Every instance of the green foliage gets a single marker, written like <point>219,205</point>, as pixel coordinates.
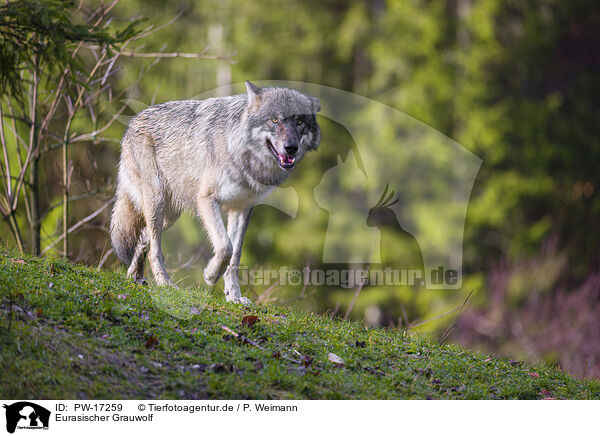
<point>38,35</point>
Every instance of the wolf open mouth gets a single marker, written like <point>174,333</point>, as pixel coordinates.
<point>285,161</point>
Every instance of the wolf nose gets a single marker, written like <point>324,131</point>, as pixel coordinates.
<point>291,149</point>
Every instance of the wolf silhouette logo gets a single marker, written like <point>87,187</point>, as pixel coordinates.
<point>28,415</point>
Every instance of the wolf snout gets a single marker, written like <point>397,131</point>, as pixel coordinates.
<point>291,149</point>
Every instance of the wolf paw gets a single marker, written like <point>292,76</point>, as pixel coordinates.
<point>209,278</point>
<point>213,271</point>
<point>140,281</point>
<point>241,300</point>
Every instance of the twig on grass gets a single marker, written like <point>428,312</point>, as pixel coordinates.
<point>246,339</point>
<point>256,344</point>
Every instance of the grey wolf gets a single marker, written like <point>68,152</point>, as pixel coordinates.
<point>215,156</point>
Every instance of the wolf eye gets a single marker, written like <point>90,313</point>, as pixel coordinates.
<point>275,119</point>
<point>299,122</point>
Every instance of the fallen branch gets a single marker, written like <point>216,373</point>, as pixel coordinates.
<point>250,341</point>
<point>257,345</point>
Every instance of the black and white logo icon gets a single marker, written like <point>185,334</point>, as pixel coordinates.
<point>26,415</point>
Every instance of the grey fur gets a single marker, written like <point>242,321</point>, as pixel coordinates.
<point>211,156</point>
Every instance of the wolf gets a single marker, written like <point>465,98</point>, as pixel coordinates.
<point>215,156</point>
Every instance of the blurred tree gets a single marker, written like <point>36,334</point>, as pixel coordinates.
<point>40,46</point>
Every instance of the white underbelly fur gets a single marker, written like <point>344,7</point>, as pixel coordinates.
<point>235,196</point>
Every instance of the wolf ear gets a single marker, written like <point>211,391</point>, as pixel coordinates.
<point>315,103</point>
<point>254,94</point>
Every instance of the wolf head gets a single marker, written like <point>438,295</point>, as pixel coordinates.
<point>282,124</point>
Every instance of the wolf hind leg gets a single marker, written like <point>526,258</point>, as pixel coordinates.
<point>136,269</point>
<point>126,225</point>
<point>154,210</point>
<point>154,219</point>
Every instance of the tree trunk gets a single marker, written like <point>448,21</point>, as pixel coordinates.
<point>34,205</point>
<point>14,228</point>
<point>34,195</point>
<point>66,189</point>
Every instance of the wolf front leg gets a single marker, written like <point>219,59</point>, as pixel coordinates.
<point>210,213</point>
<point>237,223</point>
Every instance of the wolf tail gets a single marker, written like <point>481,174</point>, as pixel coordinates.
<point>125,227</point>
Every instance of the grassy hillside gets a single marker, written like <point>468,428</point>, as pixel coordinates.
<point>68,331</point>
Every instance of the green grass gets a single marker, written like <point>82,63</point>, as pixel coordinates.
<point>68,331</point>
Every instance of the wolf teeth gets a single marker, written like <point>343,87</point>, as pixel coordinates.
<point>286,160</point>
